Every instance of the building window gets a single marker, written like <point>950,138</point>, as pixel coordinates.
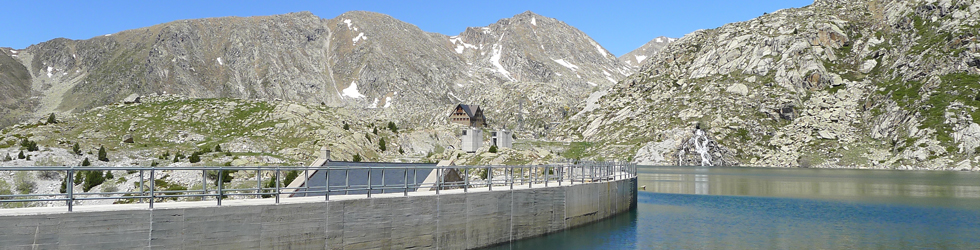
<point>464,132</point>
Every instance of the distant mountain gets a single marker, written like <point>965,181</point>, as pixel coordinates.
<point>358,60</point>
<point>638,56</point>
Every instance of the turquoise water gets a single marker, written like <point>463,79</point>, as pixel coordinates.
<point>756,208</point>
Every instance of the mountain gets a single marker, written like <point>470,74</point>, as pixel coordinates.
<point>358,60</point>
<point>638,56</point>
<point>15,88</point>
<point>868,84</point>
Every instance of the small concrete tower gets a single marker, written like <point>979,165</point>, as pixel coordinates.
<point>472,139</point>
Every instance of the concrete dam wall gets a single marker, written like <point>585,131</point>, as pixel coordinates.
<point>450,220</point>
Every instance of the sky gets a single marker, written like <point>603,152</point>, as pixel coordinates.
<point>619,26</point>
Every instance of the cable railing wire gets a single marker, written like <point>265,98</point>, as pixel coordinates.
<point>380,179</point>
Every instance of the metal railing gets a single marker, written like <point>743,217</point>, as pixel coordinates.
<point>150,187</point>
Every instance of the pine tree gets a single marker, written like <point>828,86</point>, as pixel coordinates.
<point>78,177</point>
<point>51,119</point>
<point>7,157</point>
<point>217,148</point>
<point>64,185</point>
<point>102,154</point>
<point>381,144</point>
<point>375,131</point>
<point>346,126</point>
<point>392,127</point>
<point>108,174</point>
<point>400,151</point>
<point>194,158</point>
<point>76,149</point>
<point>357,158</point>
<point>21,155</point>
<point>86,163</point>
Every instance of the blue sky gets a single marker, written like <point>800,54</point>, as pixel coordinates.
<point>619,26</point>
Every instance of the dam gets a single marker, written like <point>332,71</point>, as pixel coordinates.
<point>436,212</point>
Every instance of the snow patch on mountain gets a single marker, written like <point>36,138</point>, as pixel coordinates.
<point>568,65</point>
<point>495,60</point>
<point>359,37</point>
<point>351,91</point>
<point>640,58</point>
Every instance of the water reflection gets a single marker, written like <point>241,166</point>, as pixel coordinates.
<point>812,183</point>
<point>756,208</point>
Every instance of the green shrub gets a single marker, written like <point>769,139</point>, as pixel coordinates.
<point>78,177</point>
<point>225,175</point>
<point>92,178</point>
<point>357,158</point>
<point>178,156</point>
<point>7,157</point>
<point>375,131</point>
<point>24,183</point>
<point>86,163</point>
<point>21,155</point>
<point>29,145</point>
<point>217,148</point>
<point>381,144</point>
<point>400,151</point>
<point>51,119</point>
<point>290,176</point>
<point>493,149</point>
<point>195,157</point>
<point>346,126</point>
<point>64,185</point>
<point>102,154</point>
<point>108,175</point>
<point>76,149</point>
<point>392,127</point>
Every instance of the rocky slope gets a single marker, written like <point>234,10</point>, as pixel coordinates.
<point>869,84</point>
<point>15,89</point>
<point>638,56</point>
<point>358,60</point>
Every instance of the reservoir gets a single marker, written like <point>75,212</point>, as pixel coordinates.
<point>778,208</point>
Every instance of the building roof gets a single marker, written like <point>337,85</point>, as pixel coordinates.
<point>470,109</point>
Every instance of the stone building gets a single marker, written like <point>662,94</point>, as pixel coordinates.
<point>469,115</point>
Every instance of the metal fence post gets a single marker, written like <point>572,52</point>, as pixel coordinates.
<point>204,184</point>
<point>466,179</point>
<point>369,182</point>
<point>152,170</point>
<point>512,179</point>
<point>221,183</point>
<point>278,184</point>
<point>406,181</point>
<point>438,176</point>
<point>71,186</point>
<point>142,192</point>
<point>490,178</point>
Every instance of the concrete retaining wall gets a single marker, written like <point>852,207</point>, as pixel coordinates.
<point>446,221</point>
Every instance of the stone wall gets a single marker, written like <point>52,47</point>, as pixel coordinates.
<point>451,220</point>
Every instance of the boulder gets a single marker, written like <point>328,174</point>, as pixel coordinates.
<point>738,88</point>
<point>128,138</point>
<point>868,66</point>
<point>134,98</point>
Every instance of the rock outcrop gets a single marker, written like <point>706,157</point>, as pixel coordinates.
<point>860,84</point>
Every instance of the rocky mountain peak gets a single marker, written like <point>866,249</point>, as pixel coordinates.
<point>638,56</point>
